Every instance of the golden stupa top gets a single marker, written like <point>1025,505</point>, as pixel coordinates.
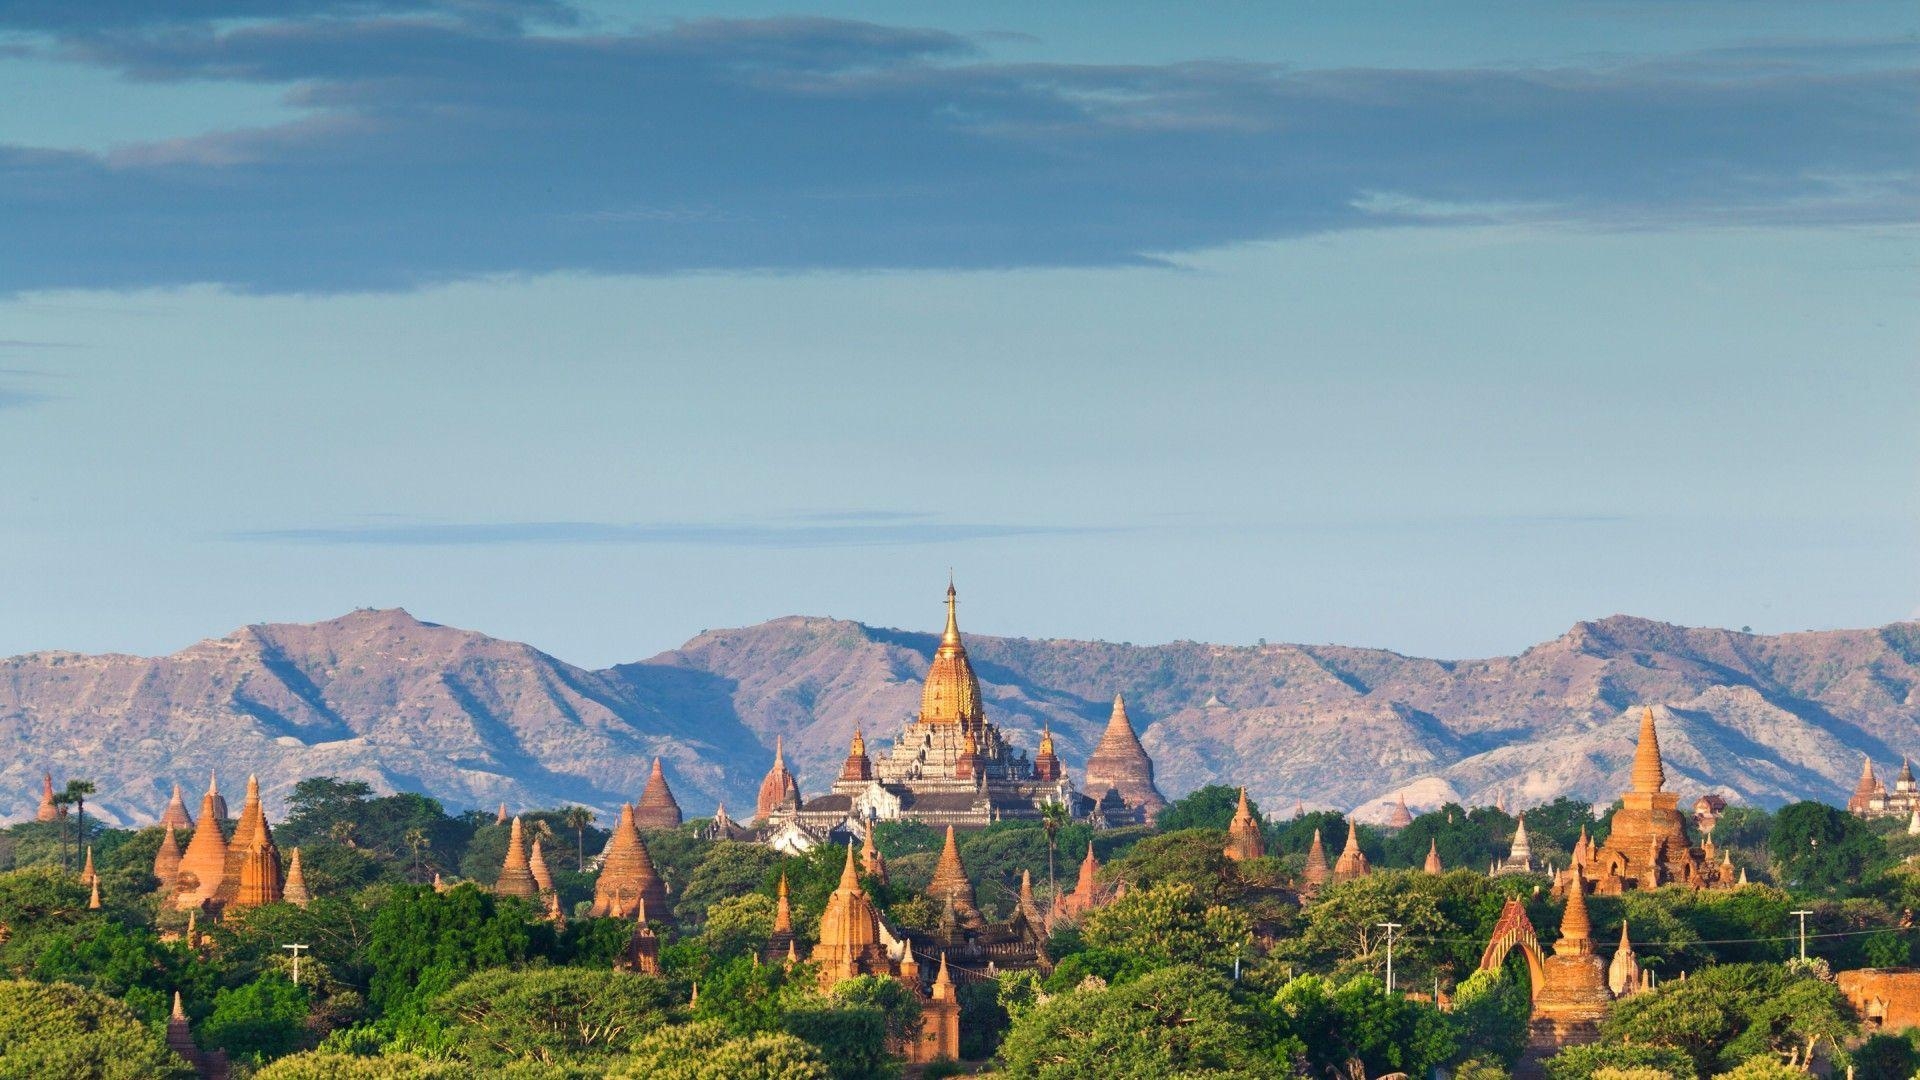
<point>849,921</point>
<point>952,693</point>
<point>1648,775</point>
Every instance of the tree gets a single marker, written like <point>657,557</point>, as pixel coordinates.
<point>850,1038</point>
<point>1589,1062</point>
<point>423,942</point>
<point>1359,1021</point>
<point>1210,807</point>
<point>578,818</point>
<point>553,1015</point>
<point>1192,856</point>
<point>1491,1012</point>
<point>1053,817</point>
<point>1179,1021</point>
<point>1820,847</point>
<point>258,1021</point>
<point>62,1030</point>
<point>1168,924</point>
<point>1763,1067</point>
<point>417,842</point>
<point>333,1065</point>
<point>75,796</point>
<point>1723,1014</point>
<point>707,1051</point>
<point>738,926</point>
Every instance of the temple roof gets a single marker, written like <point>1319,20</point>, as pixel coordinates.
<point>952,691</point>
<point>950,879</point>
<point>779,788</point>
<point>1121,763</point>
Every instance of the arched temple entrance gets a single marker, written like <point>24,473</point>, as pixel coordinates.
<point>1515,931</point>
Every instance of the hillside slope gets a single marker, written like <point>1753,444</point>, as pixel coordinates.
<point>474,720</point>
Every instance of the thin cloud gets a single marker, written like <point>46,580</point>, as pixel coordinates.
<point>746,535</point>
<point>436,146</point>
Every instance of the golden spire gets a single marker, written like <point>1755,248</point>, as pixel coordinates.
<point>1433,857</point>
<point>1648,775</point>
<point>952,691</point>
<point>1046,738</point>
<point>93,902</point>
<point>859,747</point>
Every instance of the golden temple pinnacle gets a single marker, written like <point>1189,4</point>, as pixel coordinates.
<point>952,693</point>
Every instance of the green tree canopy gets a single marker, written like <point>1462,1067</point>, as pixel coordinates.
<point>1821,848</point>
<point>558,1015</point>
<point>62,1030</point>
<point>705,1050</point>
<point>1176,1022</point>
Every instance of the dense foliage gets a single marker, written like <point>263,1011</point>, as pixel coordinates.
<point>1202,966</point>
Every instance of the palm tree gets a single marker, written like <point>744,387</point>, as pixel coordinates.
<point>76,796</point>
<point>341,832</point>
<point>1053,817</point>
<point>578,818</point>
<point>417,841</point>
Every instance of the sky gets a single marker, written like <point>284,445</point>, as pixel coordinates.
<point>1430,327</point>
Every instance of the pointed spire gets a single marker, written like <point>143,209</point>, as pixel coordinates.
<point>1244,838</point>
<point>627,873</point>
<point>1522,851</point>
<point>213,793</point>
<point>93,902</point>
<point>1648,774</point>
<point>871,864</point>
<point>1316,872</point>
<point>1352,862</point>
<point>537,866</point>
<point>1433,857</point>
<point>1576,929</point>
<point>203,866</point>
<point>1623,975</point>
<point>1402,817</point>
<point>779,789</point>
<point>942,982</point>
<point>49,810</point>
<point>783,908</point>
<point>295,891</point>
<point>849,878</point>
<point>516,879</point>
<point>87,873</point>
<point>951,694</point>
<point>180,1036</point>
<point>658,808</point>
<point>1121,763</point>
<point>179,1013</point>
<point>950,880</point>
<point>166,860</point>
<point>500,816</point>
<point>176,812</point>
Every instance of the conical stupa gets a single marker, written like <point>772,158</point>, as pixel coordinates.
<point>176,812</point>
<point>1121,763</point>
<point>657,809</point>
<point>515,877</point>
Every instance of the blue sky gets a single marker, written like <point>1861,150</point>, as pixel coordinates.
<point>600,325</point>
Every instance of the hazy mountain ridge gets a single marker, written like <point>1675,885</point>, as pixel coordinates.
<point>474,720</point>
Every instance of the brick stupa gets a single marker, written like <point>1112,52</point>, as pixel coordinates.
<point>166,860</point>
<point>1648,846</point>
<point>1244,840</point>
<point>1352,862</point>
<point>1317,871</point>
<point>657,809</point>
<point>627,875</point>
<point>516,878</point>
<point>296,892</point>
<point>951,887</point>
<point>1121,764</point>
<point>176,814</point>
<point>1573,996</point>
<point>49,810</point>
<point>252,876</point>
<point>204,864</point>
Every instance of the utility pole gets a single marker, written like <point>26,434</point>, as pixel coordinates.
<point>295,950</point>
<point>1389,927</point>
<point>1803,913</point>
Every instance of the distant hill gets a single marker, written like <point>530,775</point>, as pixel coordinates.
<point>473,720</point>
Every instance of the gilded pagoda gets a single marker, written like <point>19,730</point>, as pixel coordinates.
<point>950,765</point>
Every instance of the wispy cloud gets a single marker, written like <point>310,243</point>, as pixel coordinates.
<point>697,534</point>
<point>448,139</point>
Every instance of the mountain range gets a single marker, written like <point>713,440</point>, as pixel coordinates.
<point>473,720</point>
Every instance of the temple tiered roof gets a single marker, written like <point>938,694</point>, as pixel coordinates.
<point>952,691</point>
<point>176,812</point>
<point>779,791</point>
<point>1352,862</point>
<point>950,884</point>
